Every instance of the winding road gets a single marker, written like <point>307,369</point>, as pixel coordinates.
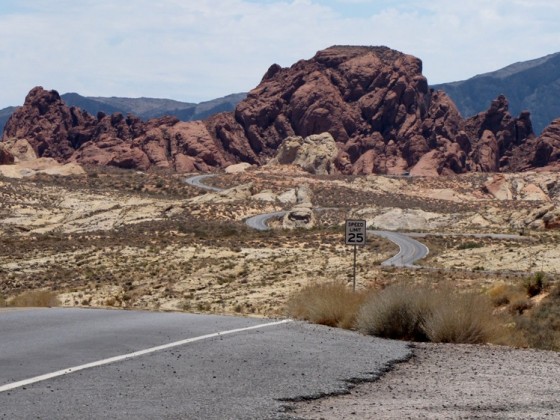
<point>196,181</point>
<point>410,250</point>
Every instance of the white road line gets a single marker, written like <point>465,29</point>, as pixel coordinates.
<point>114,359</point>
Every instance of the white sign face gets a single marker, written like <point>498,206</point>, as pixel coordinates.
<point>355,232</point>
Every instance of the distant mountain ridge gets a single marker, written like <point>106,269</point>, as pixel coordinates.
<point>147,108</point>
<point>144,108</point>
<point>532,85</point>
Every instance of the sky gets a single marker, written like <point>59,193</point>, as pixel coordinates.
<point>200,50</point>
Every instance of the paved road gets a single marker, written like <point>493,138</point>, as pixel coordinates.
<point>260,221</point>
<point>240,373</point>
<point>410,250</point>
<point>197,181</point>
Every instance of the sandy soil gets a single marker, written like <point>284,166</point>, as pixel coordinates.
<point>445,381</point>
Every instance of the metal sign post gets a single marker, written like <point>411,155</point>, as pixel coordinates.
<point>355,234</point>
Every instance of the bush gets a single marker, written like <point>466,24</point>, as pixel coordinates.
<point>459,318</point>
<point>331,304</point>
<point>396,312</point>
<point>535,285</point>
<point>542,326</point>
<point>422,314</point>
<point>34,298</point>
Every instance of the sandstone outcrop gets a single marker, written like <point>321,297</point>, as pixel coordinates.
<point>315,154</point>
<point>373,101</point>
<point>6,158</point>
<point>301,215</point>
<point>20,149</point>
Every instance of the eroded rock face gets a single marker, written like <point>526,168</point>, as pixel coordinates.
<point>69,134</point>
<point>301,215</point>
<point>6,158</point>
<point>315,154</point>
<point>373,101</point>
<point>53,129</point>
<point>547,147</point>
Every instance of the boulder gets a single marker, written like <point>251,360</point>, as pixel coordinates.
<point>315,154</point>
<point>299,216</point>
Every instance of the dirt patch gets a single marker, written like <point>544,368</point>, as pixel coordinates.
<point>453,381</point>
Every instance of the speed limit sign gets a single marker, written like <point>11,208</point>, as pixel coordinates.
<point>355,232</point>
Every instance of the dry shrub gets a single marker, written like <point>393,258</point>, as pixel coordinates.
<point>396,312</point>
<point>535,284</point>
<point>422,314</point>
<point>500,294</point>
<point>332,304</point>
<point>460,318</point>
<point>541,326</point>
<point>35,298</point>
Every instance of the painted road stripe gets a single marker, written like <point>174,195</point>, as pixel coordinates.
<point>114,359</point>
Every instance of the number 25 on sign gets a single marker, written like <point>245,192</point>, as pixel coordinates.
<point>355,234</point>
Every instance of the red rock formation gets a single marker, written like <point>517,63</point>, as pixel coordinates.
<point>374,101</point>
<point>547,147</point>
<point>6,158</point>
<point>52,128</point>
<point>496,136</point>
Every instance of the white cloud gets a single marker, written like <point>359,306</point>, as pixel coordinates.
<point>209,48</point>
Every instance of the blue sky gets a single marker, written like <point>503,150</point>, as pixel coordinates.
<point>194,51</point>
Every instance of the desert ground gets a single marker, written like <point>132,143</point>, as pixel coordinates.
<point>106,237</point>
<point>127,239</point>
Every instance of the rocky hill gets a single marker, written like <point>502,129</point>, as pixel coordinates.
<point>374,101</point>
<point>530,85</point>
<point>145,108</point>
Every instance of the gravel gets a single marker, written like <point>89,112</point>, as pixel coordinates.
<point>453,381</point>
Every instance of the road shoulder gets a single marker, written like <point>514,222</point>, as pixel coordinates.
<point>453,381</point>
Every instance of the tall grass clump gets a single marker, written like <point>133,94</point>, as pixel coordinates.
<point>395,312</point>
<point>35,298</point>
<point>460,318</point>
<point>535,285</point>
<point>419,313</point>
<point>332,304</point>
<point>542,326</point>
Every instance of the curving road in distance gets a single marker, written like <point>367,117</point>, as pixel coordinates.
<point>196,181</point>
<point>410,250</point>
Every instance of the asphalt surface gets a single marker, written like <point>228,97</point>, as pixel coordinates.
<point>197,181</point>
<point>244,374</point>
<point>410,250</point>
<point>260,221</point>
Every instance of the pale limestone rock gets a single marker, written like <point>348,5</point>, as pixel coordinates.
<point>300,216</point>
<point>240,192</point>
<point>288,197</point>
<point>237,168</point>
<point>48,166</point>
<point>266,195</point>
<point>498,187</point>
<point>20,149</point>
<point>315,154</point>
